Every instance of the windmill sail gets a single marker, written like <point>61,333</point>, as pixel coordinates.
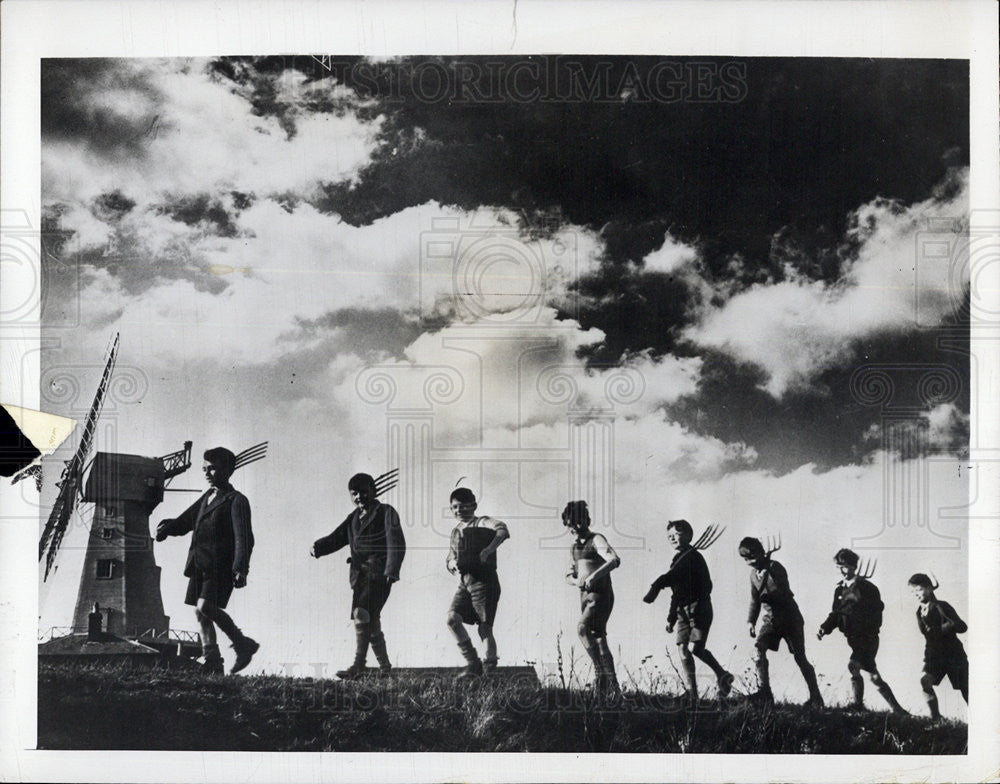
<point>72,475</point>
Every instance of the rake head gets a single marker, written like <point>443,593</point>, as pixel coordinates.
<point>251,454</point>
<point>866,568</point>
<point>386,482</point>
<point>772,544</point>
<point>708,537</point>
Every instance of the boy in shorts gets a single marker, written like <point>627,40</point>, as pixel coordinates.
<point>375,537</point>
<point>472,555</point>
<point>590,571</point>
<point>218,559</point>
<point>690,606</point>
<point>944,653</point>
<point>857,612</point>
<point>782,620</point>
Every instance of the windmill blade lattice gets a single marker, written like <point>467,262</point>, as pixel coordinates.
<point>72,475</point>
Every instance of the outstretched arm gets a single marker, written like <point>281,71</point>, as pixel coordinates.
<point>180,525</point>
<point>332,542</point>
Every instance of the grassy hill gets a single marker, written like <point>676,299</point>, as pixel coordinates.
<point>96,707</point>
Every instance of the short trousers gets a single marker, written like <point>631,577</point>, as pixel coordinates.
<point>213,588</point>
<point>957,670</point>
<point>370,590</point>
<point>863,650</point>
<point>476,600</point>
<point>595,609</point>
<point>786,626</point>
<point>693,621</point>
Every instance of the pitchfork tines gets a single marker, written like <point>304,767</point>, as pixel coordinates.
<point>866,568</point>
<point>386,482</point>
<point>772,544</point>
<point>708,537</point>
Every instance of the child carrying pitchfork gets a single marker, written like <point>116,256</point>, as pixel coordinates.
<point>857,612</point>
<point>691,602</point>
<point>944,653</point>
<point>782,620</point>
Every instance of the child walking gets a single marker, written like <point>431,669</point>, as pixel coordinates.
<point>690,606</point>
<point>944,653</point>
<point>593,559</point>
<point>375,537</point>
<point>857,612</point>
<point>472,554</point>
<point>782,620</point>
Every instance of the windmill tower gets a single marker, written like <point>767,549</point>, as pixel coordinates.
<point>120,574</point>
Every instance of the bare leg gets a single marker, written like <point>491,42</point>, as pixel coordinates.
<point>208,638</point>
<point>705,655</point>
<point>930,696</point>
<point>763,671</point>
<point>809,674</point>
<point>857,684</point>
<point>687,665</point>
<point>886,692</point>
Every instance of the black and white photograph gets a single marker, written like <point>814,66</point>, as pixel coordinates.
<point>524,397</point>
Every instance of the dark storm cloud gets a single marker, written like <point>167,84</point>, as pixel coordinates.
<point>758,164</point>
<point>800,145</point>
<point>69,111</point>
<point>830,423</point>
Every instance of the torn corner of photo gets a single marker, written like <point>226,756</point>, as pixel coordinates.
<point>45,431</point>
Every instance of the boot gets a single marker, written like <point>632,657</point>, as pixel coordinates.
<point>213,664</point>
<point>362,633</point>
<point>379,649</point>
<point>726,684</point>
<point>473,667</point>
<point>245,648</point>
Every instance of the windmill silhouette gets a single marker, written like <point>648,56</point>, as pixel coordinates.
<point>120,575</point>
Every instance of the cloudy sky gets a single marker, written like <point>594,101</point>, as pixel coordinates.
<point>733,270</point>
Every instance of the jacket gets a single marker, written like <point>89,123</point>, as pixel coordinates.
<point>221,535</point>
<point>857,609</point>
<point>688,578</point>
<point>375,540</point>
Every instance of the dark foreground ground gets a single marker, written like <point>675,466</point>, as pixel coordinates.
<point>96,707</point>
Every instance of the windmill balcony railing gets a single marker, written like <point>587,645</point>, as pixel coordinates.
<point>169,635</point>
<point>44,635</point>
<point>165,635</point>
